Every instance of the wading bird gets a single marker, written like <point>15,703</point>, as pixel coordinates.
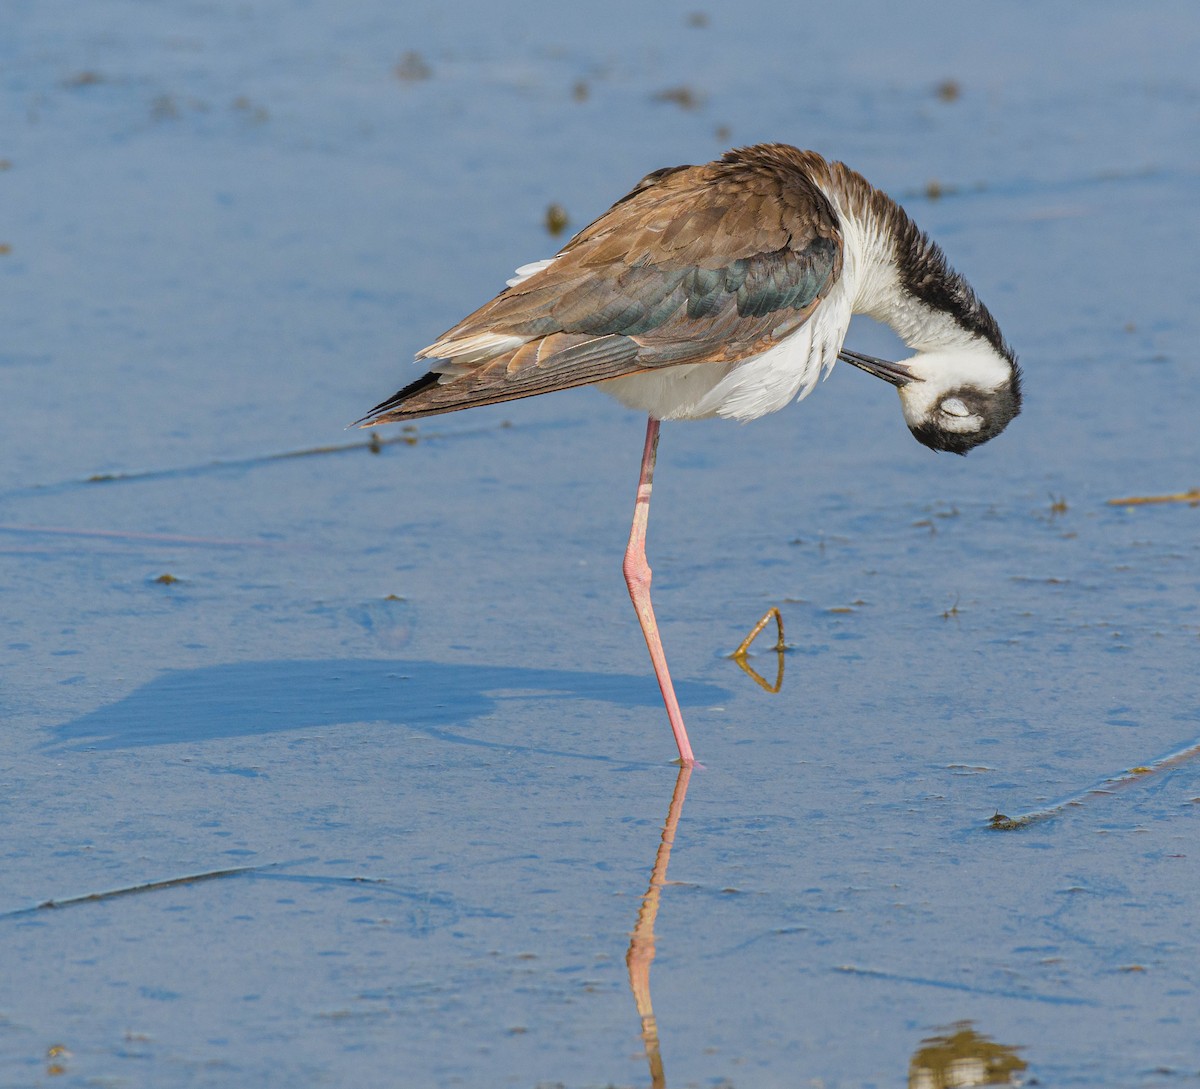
<point>726,290</point>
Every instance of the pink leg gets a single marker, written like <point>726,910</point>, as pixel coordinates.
<point>637,578</point>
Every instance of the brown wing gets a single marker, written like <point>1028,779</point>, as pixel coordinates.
<point>696,264</point>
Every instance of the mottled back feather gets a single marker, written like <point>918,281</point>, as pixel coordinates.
<point>696,264</point>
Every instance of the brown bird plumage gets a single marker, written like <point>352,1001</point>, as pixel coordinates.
<point>727,289</point>
<point>696,264</point>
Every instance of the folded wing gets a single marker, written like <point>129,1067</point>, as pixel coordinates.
<point>697,264</point>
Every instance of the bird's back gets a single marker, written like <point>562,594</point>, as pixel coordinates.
<point>699,268</point>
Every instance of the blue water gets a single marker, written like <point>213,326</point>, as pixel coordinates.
<point>401,696</point>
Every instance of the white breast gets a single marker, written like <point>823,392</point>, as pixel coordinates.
<point>744,389</point>
<point>750,387</point>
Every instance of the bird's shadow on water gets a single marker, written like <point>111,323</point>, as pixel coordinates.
<point>439,699</point>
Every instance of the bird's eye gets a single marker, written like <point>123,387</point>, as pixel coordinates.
<point>952,406</point>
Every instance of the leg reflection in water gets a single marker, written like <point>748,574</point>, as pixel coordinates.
<point>641,944</point>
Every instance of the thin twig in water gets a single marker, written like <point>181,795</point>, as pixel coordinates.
<point>954,985</point>
<point>410,436</point>
<point>1003,823</point>
<point>1191,496</point>
<point>151,538</point>
<point>149,886</point>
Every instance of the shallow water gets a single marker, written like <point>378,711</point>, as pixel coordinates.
<point>396,704</point>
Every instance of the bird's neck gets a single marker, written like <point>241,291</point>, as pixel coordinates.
<point>898,276</point>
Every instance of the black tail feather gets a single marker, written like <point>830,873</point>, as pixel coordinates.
<point>387,408</point>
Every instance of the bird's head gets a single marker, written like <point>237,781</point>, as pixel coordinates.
<point>955,399</point>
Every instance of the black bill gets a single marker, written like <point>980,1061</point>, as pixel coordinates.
<point>895,373</point>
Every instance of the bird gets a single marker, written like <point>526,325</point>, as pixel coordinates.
<point>726,289</point>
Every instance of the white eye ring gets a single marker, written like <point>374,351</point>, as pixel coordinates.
<point>952,406</point>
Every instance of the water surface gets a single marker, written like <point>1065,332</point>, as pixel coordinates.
<point>397,700</point>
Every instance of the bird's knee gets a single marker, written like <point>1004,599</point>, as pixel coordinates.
<point>637,574</point>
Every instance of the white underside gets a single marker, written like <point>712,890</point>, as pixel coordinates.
<point>749,388</point>
<point>742,390</point>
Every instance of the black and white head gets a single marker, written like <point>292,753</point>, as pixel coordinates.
<point>954,399</point>
<point>963,385</point>
<point>964,401</point>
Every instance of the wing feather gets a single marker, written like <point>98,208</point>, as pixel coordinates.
<point>696,264</point>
